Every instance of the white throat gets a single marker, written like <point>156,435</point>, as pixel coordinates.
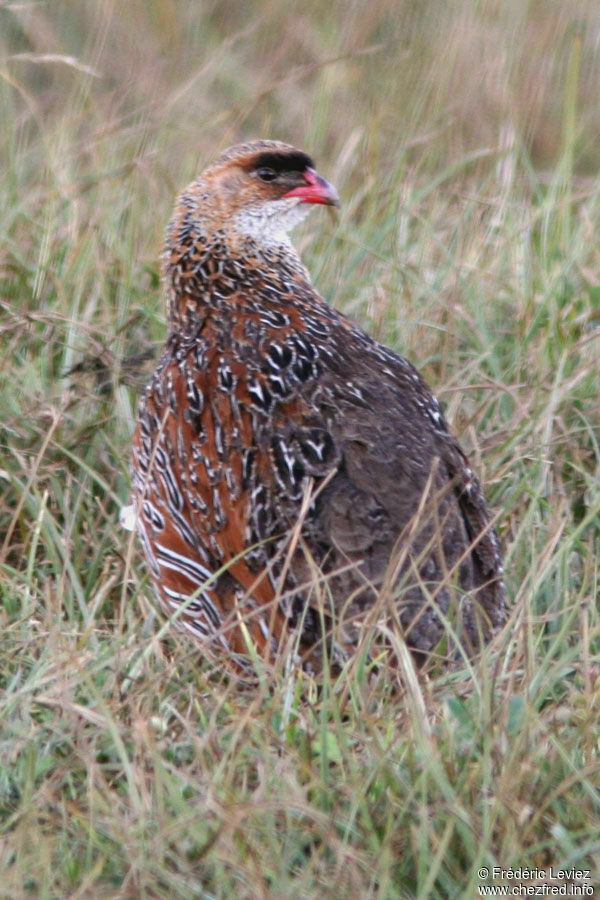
<point>270,223</point>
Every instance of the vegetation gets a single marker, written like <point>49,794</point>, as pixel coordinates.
<point>463,138</point>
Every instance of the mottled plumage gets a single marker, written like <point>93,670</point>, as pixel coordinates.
<point>265,399</point>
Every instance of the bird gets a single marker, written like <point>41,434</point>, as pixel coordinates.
<point>294,482</point>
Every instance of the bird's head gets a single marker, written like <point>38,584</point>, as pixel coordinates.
<point>258,191</point>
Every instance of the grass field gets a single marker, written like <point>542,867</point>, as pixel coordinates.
<point>463,138</point>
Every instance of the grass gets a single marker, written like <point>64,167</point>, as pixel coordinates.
<point>462,142</point>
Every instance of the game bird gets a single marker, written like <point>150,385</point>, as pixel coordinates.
<point>294,482</point>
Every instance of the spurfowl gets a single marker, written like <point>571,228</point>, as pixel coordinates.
<point>290,473</point>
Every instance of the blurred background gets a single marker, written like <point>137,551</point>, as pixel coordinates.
<point>109,108</point>
<point>404,80</point>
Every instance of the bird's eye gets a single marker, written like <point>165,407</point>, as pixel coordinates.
<point>266,174</point>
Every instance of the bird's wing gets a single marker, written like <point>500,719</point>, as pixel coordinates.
<point>398,491</point>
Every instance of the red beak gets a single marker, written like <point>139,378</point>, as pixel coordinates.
<point>316,190</point>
